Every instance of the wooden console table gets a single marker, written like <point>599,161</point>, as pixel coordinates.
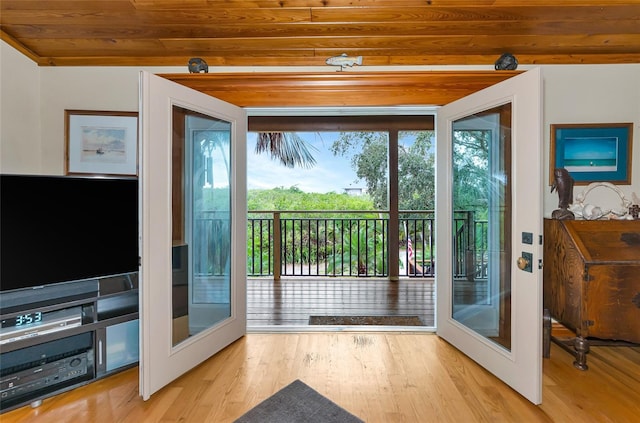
<point>592,282</point>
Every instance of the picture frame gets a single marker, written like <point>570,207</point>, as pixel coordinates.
<point>593,152</point>
<point>101,143</point>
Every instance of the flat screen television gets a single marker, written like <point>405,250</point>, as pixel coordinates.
<point>57,229</point>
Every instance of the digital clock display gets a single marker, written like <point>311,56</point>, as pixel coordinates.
<point>23,320</point>
<point>27,319</point>
<point>30,323</point>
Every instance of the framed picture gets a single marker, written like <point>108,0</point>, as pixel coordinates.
<point>598,152</point>
<point>101,143</point>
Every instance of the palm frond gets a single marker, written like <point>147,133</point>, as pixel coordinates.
<point>286,147</point>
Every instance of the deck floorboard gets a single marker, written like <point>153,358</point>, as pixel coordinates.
<point>291,301</point>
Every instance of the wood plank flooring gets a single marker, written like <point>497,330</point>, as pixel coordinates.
<point>291,301</point>
<point>379,376</point>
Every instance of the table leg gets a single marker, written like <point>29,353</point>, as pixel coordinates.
<point>581,346</point>
<point>546,333</point>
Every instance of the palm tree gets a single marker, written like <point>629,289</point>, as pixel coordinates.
<point>286,147</point>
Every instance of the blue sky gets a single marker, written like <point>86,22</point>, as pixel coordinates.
<point>331,173</point>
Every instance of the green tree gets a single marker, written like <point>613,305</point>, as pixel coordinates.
<point>470,170</point>
<point>368,153</point>
<point>416,171</point>
<point>293,198</point>
<point>360,252</point>
<point>286,147</point>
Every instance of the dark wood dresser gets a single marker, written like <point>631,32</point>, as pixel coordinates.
<point>592,280</point>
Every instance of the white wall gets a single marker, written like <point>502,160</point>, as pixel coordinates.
<point>20,146</point>
<point>34,100</point>
<point>81,88</point>
<point>32,139</point>
<point>592,94</point>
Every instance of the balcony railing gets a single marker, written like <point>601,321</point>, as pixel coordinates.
<point>355,243</point>
<point>341,244</point>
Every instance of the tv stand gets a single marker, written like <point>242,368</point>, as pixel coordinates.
<point>54,343</point>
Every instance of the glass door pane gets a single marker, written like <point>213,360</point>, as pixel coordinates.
<point>481,200</point>
<point>201,223</point>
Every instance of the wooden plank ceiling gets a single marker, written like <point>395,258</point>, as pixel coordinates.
<point>307,32</point>
<point>260,33</point>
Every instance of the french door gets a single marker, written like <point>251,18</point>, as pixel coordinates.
<point>489,168</point>
<point>193,183</point>
<point>193,229</point>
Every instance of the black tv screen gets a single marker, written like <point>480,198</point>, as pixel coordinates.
<point>60,229</point>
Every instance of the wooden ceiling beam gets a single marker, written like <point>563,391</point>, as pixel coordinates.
<point>185,16</point>
<point>299,60</point>
<point>354,46</point>
<point>20,47</point>
<point>340,88</point>
<point>521,12</point>
<point>340,123</point>
<point>269,31</point>
<point>96,13</point>
<point>172,4</point>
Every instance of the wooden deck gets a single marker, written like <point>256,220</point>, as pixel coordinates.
<point>291,301</point>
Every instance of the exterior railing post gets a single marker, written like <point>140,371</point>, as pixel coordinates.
<point>470,254</point>
<point>277,242</point>
<point>394,222</point>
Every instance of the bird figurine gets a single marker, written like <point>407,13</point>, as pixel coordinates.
<point>198,65</point>
<point>506,62</point>
<point>563,183</point>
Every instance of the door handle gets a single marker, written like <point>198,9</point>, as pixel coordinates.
<point>524,262</point>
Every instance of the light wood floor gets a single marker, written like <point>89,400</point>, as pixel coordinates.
<point>379,376</point>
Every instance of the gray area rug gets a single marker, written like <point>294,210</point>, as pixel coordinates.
<point>366,320</point>
<point>298,403</point>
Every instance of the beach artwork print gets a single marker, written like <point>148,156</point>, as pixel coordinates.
<point>101,142</point>
<point>103,145</point>
<point>591,154</point>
